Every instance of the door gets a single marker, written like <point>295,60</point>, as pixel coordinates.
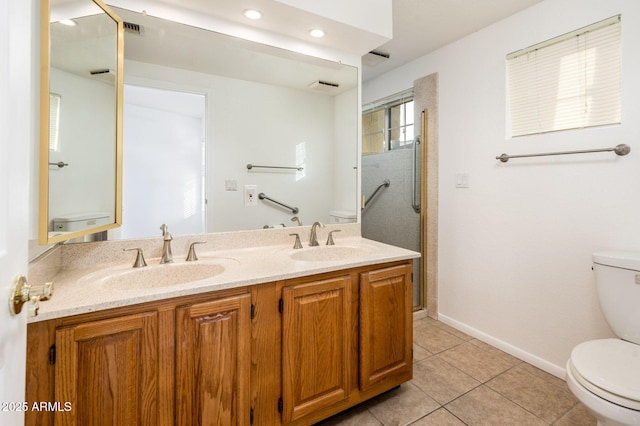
<point>213,362</point>
<point>106,372</point>
<point>386,326</point>
<point>16,137</point>
<point>316,346</point>
<point>164,138</point>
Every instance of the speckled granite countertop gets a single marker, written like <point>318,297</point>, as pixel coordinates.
<point>100,276</point>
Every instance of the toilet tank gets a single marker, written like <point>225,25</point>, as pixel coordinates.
<point>342,216</point>
<point>617,276</point>
<point>80,221</point>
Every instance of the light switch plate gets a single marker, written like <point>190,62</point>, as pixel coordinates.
<point>230,185</point>
<point>462,180</point>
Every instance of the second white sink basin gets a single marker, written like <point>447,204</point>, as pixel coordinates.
<point>328,253</point>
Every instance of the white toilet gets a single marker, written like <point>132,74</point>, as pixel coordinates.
<point>605,374</point>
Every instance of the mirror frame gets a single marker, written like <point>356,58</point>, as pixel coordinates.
<point>45,66</point>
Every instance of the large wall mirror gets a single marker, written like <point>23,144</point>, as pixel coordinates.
<point>200,106</point>
<point>81,119</point>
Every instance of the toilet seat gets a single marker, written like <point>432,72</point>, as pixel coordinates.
<point>610,369</point>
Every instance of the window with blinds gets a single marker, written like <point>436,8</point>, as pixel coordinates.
<point>54,121</point>
<point>388,124</point>
<point>569,82</point>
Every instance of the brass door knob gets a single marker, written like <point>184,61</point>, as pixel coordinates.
<point>21,293</point>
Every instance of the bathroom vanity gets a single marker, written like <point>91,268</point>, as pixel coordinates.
<point>280,336</point>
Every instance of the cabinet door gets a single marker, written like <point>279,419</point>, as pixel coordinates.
<point>213,361</point>
<point>386,327</point>
<point>107,372</point>
<point>316,331</point>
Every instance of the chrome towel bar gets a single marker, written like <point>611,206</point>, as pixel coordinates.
<point>254,166</point>
<point>622,149</point>
<point>60,164</point>
<point>294,210</point>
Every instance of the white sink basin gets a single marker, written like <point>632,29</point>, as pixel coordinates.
<point>154,276</point>
<point>328,253</point>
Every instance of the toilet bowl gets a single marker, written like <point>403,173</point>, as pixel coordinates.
<point>600,374</point>
<point>604,374</point>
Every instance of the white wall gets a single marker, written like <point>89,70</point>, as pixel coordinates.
<point>345,160</point>
<point>515,247</point>
<point>274,126</point>
<point>86,136</point>
<point>370,15</point>
<point>262,124</point>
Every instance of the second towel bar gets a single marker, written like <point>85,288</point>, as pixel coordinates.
<point>255,166</point>
<point>294,210</point>
<point>622,149</point>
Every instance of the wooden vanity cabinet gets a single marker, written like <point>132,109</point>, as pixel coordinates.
<point>316,345</point>
<point>213,362</point>
<point>171,362</point>
<point>289,352</point>
<point>106,372</point>
<point>345,337</point>
<point>386,316</point>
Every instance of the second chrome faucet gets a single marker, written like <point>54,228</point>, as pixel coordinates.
<point>313,238</point>
<point>167,256</point>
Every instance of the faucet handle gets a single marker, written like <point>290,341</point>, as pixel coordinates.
<point>191,256</point>
<point>139,258</point>
<point>330,237</point>
<point>297,244</point>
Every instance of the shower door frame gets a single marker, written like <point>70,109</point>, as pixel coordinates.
<point>423,211</point>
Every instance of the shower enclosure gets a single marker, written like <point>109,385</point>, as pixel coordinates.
<point>391,170</point>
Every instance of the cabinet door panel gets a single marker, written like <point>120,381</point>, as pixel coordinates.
<point>108,371</point>
<point>213,362</point>
<point>386,330</point>
<point>316,345</point>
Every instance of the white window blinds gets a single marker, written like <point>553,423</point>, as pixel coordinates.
<point>54,121</point>
<point>569,82</point>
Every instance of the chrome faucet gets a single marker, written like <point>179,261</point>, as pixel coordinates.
<point>313,239</point>
<point>167,257</point>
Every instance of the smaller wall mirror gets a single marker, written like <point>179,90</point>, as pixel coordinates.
<point>81,90</point>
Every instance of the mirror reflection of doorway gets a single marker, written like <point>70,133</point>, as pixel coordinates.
<point>164,162</point>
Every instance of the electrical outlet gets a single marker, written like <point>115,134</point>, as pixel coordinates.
<point>250,195</point>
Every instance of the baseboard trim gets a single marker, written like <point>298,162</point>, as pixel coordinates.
<point>506,347</point>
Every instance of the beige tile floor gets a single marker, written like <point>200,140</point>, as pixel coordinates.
<point>459,380</point>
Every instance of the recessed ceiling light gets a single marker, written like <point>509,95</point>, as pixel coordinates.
<point>316,32</point>
<point>68,22</point>
<point>252,13</point>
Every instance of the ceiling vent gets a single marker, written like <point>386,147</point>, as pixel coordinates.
<point>132,28</point>
<point>374,58</point>
<point>105,75</point>
<point>323,86</point>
